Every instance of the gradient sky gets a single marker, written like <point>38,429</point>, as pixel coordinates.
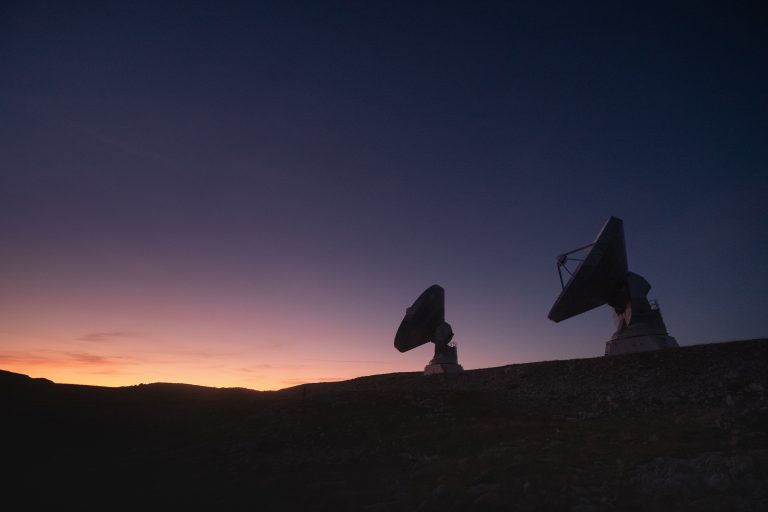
<point>250,194</point>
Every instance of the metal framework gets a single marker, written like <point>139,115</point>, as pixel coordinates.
<point>563,259</point>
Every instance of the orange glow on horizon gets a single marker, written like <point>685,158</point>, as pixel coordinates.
<point>88,369</point>
<point>123,358</point>
<point>99,368</point>
<point>122,336</point>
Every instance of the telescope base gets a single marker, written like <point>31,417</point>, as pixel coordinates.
<point>642,343</point>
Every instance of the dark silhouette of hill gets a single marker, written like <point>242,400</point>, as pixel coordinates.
<point>682,429</point>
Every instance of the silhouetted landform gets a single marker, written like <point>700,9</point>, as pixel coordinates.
<point>678,429</point>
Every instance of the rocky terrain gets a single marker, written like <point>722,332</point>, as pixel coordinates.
<point>681,429</point>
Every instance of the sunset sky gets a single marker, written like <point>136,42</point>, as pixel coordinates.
<point>251,193</point>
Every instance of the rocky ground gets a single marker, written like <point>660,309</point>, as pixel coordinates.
<point>682,429</point>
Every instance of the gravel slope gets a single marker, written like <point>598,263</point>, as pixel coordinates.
<point>682,429</point>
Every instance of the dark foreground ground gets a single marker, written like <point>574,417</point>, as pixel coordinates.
<point>684,429</point>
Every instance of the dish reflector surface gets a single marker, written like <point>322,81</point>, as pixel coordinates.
<point>598,278</point>
<point>421,319</point>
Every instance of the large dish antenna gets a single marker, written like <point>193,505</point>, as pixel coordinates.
<point>602,277</point>
<point>597,277</point>
<point>424,322</point>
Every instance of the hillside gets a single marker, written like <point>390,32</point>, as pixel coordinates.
<point>682,429</point>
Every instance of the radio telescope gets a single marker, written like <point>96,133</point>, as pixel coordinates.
<point>602,277</point>
<point>425,321</point>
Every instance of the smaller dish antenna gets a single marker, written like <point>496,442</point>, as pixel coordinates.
<point>602,277</point>
<point>424,322</point>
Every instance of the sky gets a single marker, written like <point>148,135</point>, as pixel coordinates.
<point>251,193</point>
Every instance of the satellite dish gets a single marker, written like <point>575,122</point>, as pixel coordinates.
<point>424,322</point>
<point>597,277</point>
<point>602,277</point>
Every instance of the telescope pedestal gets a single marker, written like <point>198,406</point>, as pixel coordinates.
<point>445,360</point>
<point>640,329</point>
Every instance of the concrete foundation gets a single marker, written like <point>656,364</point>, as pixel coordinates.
<point>446,360</point>
<point>642,343</point>
<point>640,326</point>
<point>435,368</point>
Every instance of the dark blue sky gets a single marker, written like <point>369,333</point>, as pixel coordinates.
<point>333,159</point>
